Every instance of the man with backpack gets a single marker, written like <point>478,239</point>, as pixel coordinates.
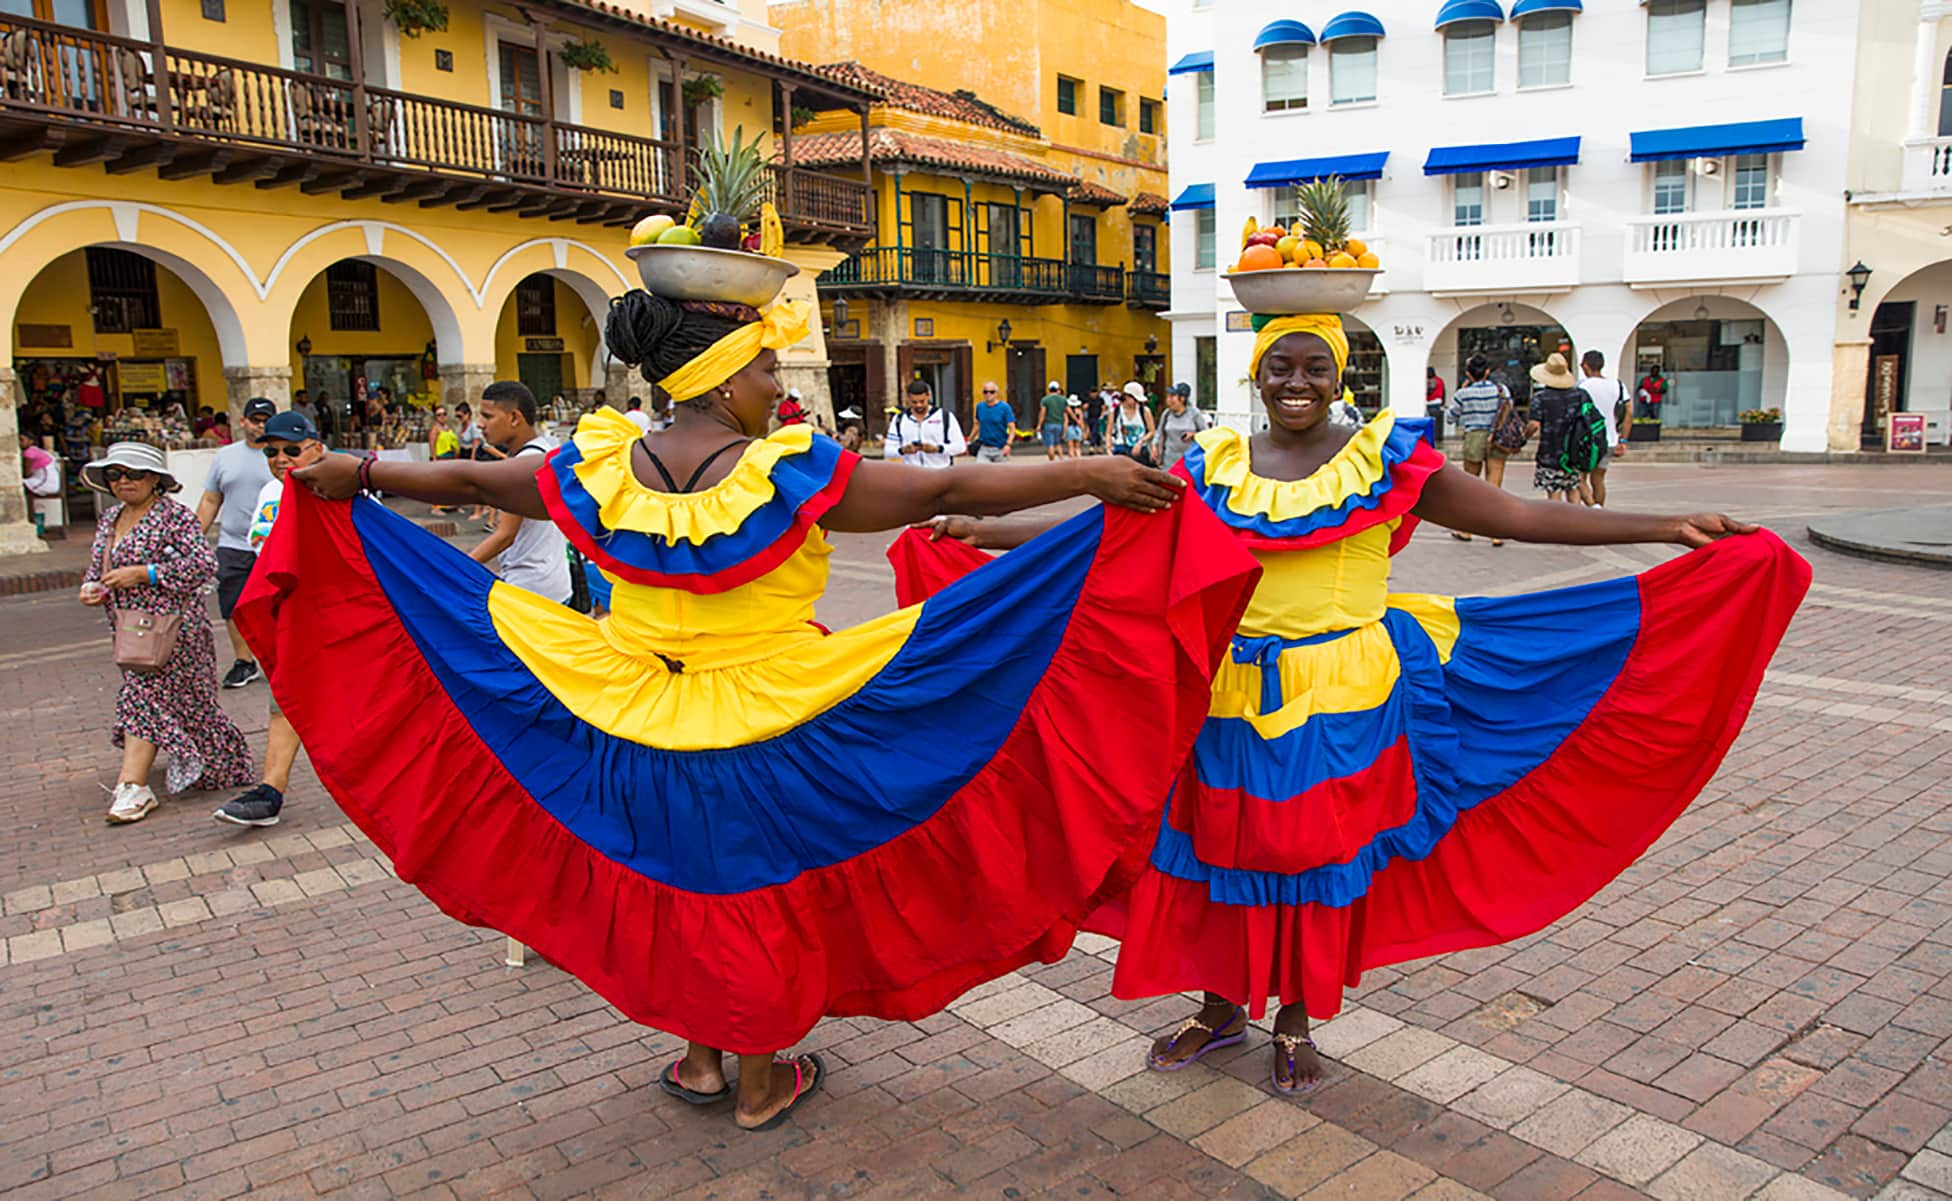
<point>1609,399</point>
<point>1570,431</point>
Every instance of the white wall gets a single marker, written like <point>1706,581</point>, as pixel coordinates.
<point>1609,98</point>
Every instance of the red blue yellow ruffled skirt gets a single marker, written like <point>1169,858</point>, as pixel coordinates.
<point>949,819</point>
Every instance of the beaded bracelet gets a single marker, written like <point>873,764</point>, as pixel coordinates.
<point>366,474</point>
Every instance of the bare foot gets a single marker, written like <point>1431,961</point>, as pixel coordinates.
<point>1223,1020</point>
<point>700,1077</point>
<point>791,1080</point>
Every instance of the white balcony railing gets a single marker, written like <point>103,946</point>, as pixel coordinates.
<point>1928,165</point>
<point>1691,247</point>
<point>1538,256</point>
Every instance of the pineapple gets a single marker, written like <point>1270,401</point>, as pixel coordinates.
<point>1324,215</point>
<point>730,183</point>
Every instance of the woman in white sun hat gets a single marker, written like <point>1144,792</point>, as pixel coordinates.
<point>150,558</point>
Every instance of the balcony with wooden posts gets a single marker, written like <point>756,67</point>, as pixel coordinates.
<point>133,105</point>
<point>924,273</point>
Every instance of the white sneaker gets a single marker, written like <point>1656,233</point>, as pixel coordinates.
<point>132,803</point>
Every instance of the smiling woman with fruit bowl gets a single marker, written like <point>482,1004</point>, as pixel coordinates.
<point>1386,777</point>
<point>724,819</point>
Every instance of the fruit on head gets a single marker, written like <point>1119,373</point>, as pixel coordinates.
<point>1309,250</point>
<point>772,235</point>
<point>1287,246</point>
<point>1324,210</point>
<point>1315,262</point>
<point>731,181</point>
<point>1259,258</point>
<point>650,229</point>
<point>1368,259</point>
<point>679,235</point>
<point>1277,231</point>
<point>1356,247</point>
<point>1341,258</point>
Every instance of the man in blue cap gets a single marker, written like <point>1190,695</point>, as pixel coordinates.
<point>290,440</point>
<point>236,477</point>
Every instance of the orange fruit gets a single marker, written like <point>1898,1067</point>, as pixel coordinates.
<point>1311,249</point>
<point>1356,247</point>
<point>1259,258</point>
<point>1315,262</point>
<point>1368,259</point>
<point>1341,258</point>
<point>1277,231</point>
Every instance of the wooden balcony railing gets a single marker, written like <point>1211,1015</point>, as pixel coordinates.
<point>1148,289</point>
<point>300,126</point>
<point>1007,278</point>
<point>1096,285</point>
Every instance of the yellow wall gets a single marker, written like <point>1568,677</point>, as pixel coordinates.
<point>403,333</point>
<point>59,296</point>
<point>574,325</point>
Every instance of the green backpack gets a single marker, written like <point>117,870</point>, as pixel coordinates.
<point>1585,442</point>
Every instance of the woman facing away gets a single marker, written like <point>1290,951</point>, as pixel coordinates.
<point>1386,777</point>
<point>723,819</point>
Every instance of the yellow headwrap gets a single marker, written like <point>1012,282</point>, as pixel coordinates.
<point>1327,326</point>
<point>779,326</point>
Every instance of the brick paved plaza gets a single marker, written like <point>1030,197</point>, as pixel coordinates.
<point>1760,1007</point>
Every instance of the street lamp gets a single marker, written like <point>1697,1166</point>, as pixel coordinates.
<point>1002,335</point>
<point>304,347</point>
<point>1152,343</point>
<point>840,315</point>
<point>1860,275</point>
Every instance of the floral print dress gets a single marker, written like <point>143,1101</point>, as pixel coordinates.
<point>175,708</point>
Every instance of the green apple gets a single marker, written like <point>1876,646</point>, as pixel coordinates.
<point>650,229</point>
<point>678,235</point>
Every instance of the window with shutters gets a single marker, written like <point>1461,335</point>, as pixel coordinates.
<point>1470,49</point>
<point>1284,78</point>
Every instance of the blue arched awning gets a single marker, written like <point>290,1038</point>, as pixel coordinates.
<point>1284,33</point>
<point>1195,196</point>
<point>1469,10</point>
<point>1525,8</point>
<point>1352,25</point>
<point>1192,64</point>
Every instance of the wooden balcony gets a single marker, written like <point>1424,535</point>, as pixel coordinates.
<point>95,98</point>
<point>1148,290</point>
<point>927,274</point>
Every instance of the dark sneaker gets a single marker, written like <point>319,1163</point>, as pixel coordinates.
<point>254,807</point>
<point>241,673</point>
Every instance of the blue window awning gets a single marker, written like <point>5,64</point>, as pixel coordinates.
<point>1284,33</point>
<point>1525,8</point>
<point>1195,196</point>
<point>1469,10</point>
<point>1352,25</point>
<point>1305,170</point>
<point>1716,141</point>
<point>1192,64</point>
<point>1504,156</point>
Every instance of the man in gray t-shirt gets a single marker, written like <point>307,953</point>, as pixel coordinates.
<point>533,553</point>
<point>230,495</point>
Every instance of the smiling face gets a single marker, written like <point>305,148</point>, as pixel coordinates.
<point>918,405</point>
<point>1298,380</point>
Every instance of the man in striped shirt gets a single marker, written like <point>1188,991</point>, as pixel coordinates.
<point>1476,406</point>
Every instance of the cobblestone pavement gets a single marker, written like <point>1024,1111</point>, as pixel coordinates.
<point>1760,1007</point>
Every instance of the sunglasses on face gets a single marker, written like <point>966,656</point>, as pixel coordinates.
<point>116,475</point>
<point>290,452</point>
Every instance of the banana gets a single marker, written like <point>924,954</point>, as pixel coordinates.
<point>772,235</point>
<point>1253,227</point>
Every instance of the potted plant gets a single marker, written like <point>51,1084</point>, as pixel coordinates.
<point>1644,429</point>
<point>700,88</point>
<point>588,55</point>
<point>415,17</point>
<point>1762,425</point>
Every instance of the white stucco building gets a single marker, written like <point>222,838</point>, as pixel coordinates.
<point>1662,181</point>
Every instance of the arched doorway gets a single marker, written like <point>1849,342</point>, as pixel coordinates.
<point>1721,357</point>
<point>364,339</point>
<point>115,341</point>
<point>549,335</point>
<point>1513,337</point>
<point>1911,357</point>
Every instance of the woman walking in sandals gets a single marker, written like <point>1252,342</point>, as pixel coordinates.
<point>1386,777</point>
<point>704,805</point>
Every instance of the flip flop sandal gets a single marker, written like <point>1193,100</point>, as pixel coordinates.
<point>1215,1040</point>
<point>1287,1045</point>
<point>802,1088</point>
<point>1460,537</point>
<point>669,1083</point>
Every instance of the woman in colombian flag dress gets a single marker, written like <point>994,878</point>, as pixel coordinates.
<point>723,819</point>
<point>1386,777</point>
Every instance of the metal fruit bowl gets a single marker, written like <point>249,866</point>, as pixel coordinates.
<point>1302,289</point>
<point>703,273</point>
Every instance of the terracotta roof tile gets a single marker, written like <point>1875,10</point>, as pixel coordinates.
<point>844,86</point>
<point>894,146</point>
<point>1086,192</point>
<point>962,105</point>
<point>1150,204</point>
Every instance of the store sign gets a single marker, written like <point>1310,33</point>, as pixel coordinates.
<point>155,343</point>
<point>1240,322</point>
<point>925,327</point>
<point>543,345</point>
<point>44,337</point>
<point>141,378</point>
<point>1905,434</point>
<point>1886,386</point>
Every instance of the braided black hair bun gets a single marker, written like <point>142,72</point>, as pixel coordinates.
<point>658,335</point>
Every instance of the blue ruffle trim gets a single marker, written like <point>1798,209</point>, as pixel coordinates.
<point>1397,449</point>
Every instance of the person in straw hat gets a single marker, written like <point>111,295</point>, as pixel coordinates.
<point>1555,404</point>
<point>705,806</point>
<point>150,557</point>
<point>1330,821</point>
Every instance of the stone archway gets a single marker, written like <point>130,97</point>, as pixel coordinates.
<point>366,322</point>
<point>1512,336</point>
<point>1722,355</point>
<point>1909,357</point>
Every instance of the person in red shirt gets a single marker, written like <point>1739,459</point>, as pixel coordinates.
<point>1433,386</point>
<point>792,410</point>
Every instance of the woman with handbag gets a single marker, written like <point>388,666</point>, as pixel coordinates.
<point>1131,423</point>
<point>149,569</point>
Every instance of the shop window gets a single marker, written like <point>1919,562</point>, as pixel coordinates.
<point>352,295</point>
<point>1469,54</point>
<point>1204,228</point>
<point>1676,31</point>
<point>1067,95</point>
<point>1352,71</point>
<point>1545,50</point>
<point>122,291</point>
<point>535,307</point>
<point>1284,78</point>
<point>1149,116</point>
<point>1758,32</point>
<point>1204,91</point>
<point>1111,107</point>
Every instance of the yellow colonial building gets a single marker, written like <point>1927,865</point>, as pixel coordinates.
<point>1018,160</point>
<point>211,200</point>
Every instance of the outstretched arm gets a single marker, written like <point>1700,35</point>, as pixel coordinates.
<point>1463,502</point>
<point>508,485</point>
<point>887,496</point>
